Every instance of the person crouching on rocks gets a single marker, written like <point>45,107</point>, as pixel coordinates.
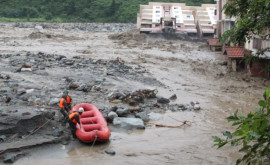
<point>74,118</point>
<point>64,108</point>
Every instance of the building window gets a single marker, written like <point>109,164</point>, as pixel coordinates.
<point>157,11</point>
<point>257,43</point>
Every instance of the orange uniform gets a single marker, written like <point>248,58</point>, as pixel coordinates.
<point>74,117</point>
<point>68,99</point>
<point>61,103</point>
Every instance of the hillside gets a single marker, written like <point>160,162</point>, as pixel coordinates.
<point>77,10</point>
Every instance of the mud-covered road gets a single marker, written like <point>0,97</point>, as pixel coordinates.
<point>188,69</point>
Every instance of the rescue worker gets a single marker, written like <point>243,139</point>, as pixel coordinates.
<point>64,109</point>
<point>74,118</point>
<point>68,98</point>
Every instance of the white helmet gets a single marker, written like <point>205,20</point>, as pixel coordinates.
<point>81,110</point>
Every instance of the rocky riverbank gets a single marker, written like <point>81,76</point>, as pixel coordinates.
<point>32,84</point>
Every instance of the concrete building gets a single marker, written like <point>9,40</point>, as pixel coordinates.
<point>177,17</point>
<point>206,20</point>
<point>224,22</point>
<point>257,68</point>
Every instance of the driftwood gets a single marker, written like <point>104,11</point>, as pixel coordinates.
<point>135,109</point>
<point>170,126</point>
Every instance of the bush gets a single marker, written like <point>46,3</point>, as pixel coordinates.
<point>252,132</point>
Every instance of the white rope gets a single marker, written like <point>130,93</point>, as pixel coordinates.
<point>94,141</point>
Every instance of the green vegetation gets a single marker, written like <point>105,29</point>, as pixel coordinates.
<point>252,20</point>
<point>77,10</point>
<point>252,132</point>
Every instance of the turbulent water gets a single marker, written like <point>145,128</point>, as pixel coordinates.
<point>189,70</point>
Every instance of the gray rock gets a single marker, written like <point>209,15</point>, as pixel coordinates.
<point>38,27</point>
<point>155,116</point>
<point>112,115</point>
<point>192,103</point>
<point>69,62</point>
<point>57,132</point>
<point>128,123</point>
<point>10,158</point>
<point>30,90</point>
<point>3,138</point>
<point>54,101</point>
<point>99,80</point>
<point>26,70</point>
<point>114,108</point>
<point>163,100</point>
<point>143,115</point>
<point>85,88</point>
<point>197,107</point>
<point>181,106</point>
<point>21,91</point>
<point>122,112</point>
<point>173,97</point>
<point>110,152</point>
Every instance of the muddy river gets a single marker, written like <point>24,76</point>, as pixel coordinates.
<point>188,69</point>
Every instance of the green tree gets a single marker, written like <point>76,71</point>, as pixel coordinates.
<point>80,10</point>
<point>252,132</point>
<point>252,20</point>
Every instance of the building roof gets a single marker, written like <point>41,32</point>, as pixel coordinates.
<point>235,52</point>
<point>214,42</point>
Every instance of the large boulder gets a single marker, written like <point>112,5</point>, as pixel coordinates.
<point>128,123</point>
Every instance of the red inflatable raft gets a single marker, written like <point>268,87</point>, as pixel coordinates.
<point>93,125</point>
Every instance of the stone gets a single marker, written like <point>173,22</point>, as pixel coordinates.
<point>173,97</point>
<point>3,138</point>
<point>10,158</point>
<point>163,100</point>
<point>38,27</point>
<point>84,88</point>
<point>26,70</point>
<point>57,132</point>
<point>54,101</point>
<point>197,107</point>
<point>182,106</point>
<point>110,152</point>
<point>30,90</point>
<point>98,80</point>
<point>114,108</point>
<point>192,103</point>
<point>155,116</point>
<point>21,91</point>
<point>143,115</point>
<point>112,115</point>
<point>69,62</point>
<point>128,123</point>
<point>122,112</point>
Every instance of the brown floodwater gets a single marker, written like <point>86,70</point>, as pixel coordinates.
<point>189,70</point>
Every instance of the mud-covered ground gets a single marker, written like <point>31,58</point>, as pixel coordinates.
<point>37,64</point>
